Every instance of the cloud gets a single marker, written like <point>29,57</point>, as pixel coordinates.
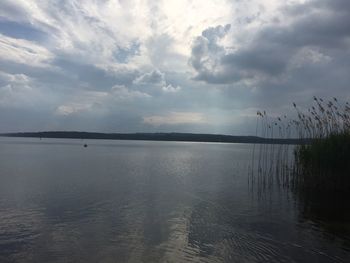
<point>102,33</point>
<point>207,52</point>
<point>102,63</point>
<point>320,31</point>
<point>24,52</point>
<point>154,77</point>
<point>66,110</point>
<point>14,78</point>
<point>99,102</point>
<point>16,91</point>
<point>175,118</point>
<point>21,31</point>
<point>170,88</point>
<point>120,92</point>
<point>83,102</point>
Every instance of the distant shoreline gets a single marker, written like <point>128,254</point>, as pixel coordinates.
<point>181,137</point>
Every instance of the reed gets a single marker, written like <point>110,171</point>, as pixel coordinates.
<point>320,163</point>
<point>323,165</point>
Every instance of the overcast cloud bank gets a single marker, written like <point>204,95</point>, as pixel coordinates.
<point>189,66</point>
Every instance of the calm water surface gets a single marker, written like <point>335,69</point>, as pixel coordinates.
<point>135,201</point>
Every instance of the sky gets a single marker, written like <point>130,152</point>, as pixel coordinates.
<point>167,66</point>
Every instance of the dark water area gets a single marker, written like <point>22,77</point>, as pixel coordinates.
<point>136,201</point>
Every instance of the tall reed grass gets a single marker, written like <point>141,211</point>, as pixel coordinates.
<point>321,160</point>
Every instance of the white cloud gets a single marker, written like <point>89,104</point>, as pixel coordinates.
<point>16,91</point>
<point>98,102</point>
<point>14,78</point>
<point>82,101</point>
<point>170,88</point>
<point>157,79</point>
<point>94,32</point>
<point>121,92</point>
<point>24,52</point>
<point>66,110</point>
<point>154,77</point>
<point>175,118</point>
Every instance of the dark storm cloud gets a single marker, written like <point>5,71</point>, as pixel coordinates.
<point>332,5</point>
<point>266,58</point>
<point>320,26</point>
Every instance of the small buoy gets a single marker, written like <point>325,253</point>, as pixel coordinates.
<point>85,145</point>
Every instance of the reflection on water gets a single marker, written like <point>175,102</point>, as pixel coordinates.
<point>125,201</point>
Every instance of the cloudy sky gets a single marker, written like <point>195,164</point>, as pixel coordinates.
<point>167,65</point>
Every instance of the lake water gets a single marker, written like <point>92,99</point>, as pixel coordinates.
<point>136,201</point>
